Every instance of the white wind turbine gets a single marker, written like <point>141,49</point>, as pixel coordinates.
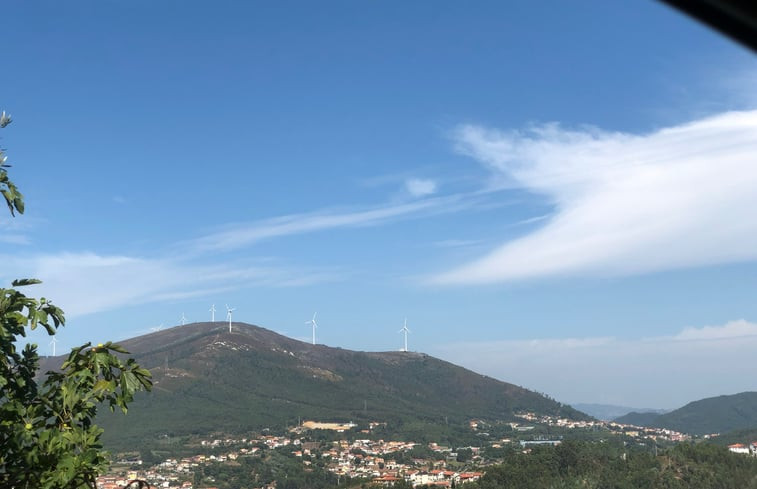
<point>52,343</point>
<point>157,328</point>
<point>212,313</point>
<point>183,319</point>
<point>315,325</point>
<point>406,331</point>
<point>229,310</point>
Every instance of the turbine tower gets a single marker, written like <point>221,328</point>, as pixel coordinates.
<point>315,325</point>
<point>52,343</point>
<point>212,313</point>
<point>229,310</point>
<point>183,319</point>
<point>405,331</point>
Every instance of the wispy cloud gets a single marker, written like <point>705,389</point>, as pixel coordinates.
<point>87,283</point>
<point>419,187</point>
<point>18,239</point>
<point>456,243</point>
<point>678,197</point>
<point>622,371</point>
<point>16,231</point>
<point>532,220</point>
<point>242,235</point>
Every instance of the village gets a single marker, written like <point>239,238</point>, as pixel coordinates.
<point>377,461</point>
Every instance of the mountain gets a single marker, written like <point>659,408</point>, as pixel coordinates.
<point>207,379</point>
<point>609,412</point>
<point>639,418</point>
<point>712,415</point>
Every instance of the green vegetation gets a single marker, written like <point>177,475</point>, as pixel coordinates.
<point>279,466</point>
<point>712,415</point>
<point>47,435</point>
<point>615,466</point>
<point>745,436</point>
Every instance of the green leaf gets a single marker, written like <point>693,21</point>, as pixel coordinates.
<point>117,348</point>
<point>25,281</point>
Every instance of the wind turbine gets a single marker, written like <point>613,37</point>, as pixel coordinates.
<point>183,319</point>
<point>315,325</point>
<point>157,328</point>
<point>212,313</point>
<point>229,310</point>
<point>406,331</point>
<point>52,343</point>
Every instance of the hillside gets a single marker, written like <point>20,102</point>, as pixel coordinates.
<point>712,415</point>
<point>207,379</point>
<point>637,418</point>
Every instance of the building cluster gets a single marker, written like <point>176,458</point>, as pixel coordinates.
<point>377,460</point>
<point>638,432</point>
<point>374,460</point>
<point>382,462</point>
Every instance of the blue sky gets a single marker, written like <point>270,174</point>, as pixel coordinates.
<point>558,197</point>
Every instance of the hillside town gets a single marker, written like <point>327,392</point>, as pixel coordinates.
<point>381,462</point>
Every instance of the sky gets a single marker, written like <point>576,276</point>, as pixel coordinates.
<point>561,197</point>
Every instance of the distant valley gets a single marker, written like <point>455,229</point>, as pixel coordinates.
<point>609,412</point>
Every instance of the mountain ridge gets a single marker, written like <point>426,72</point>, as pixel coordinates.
<point>718,414</point>
<point>207,379</point>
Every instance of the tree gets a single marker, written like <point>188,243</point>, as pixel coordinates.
<point>48,438</point>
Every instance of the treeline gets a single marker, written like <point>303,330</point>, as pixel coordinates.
<point>615,466</point>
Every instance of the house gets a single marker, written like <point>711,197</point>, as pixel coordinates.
<point>470,476</point>
<point>386,480</point>
<point>738,448</point>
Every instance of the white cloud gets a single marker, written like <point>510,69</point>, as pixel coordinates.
<point>664,371</point>
<point>86,283</point>
<point>731,330</point>
<point>418,187</point>
<point>678,197</point>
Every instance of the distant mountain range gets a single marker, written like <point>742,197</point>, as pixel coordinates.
<point>712,415</point>
<point>210,380</point>
<point>609,412</point>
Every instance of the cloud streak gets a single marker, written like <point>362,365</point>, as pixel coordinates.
<point>697,362</point>
<point>246,234</point>
<point>677,197</point>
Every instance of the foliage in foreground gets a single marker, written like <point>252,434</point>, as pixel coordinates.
<point>608,466</point>
<point>47,435</point>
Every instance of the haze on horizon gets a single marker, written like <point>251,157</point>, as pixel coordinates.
<point>559,198</point>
